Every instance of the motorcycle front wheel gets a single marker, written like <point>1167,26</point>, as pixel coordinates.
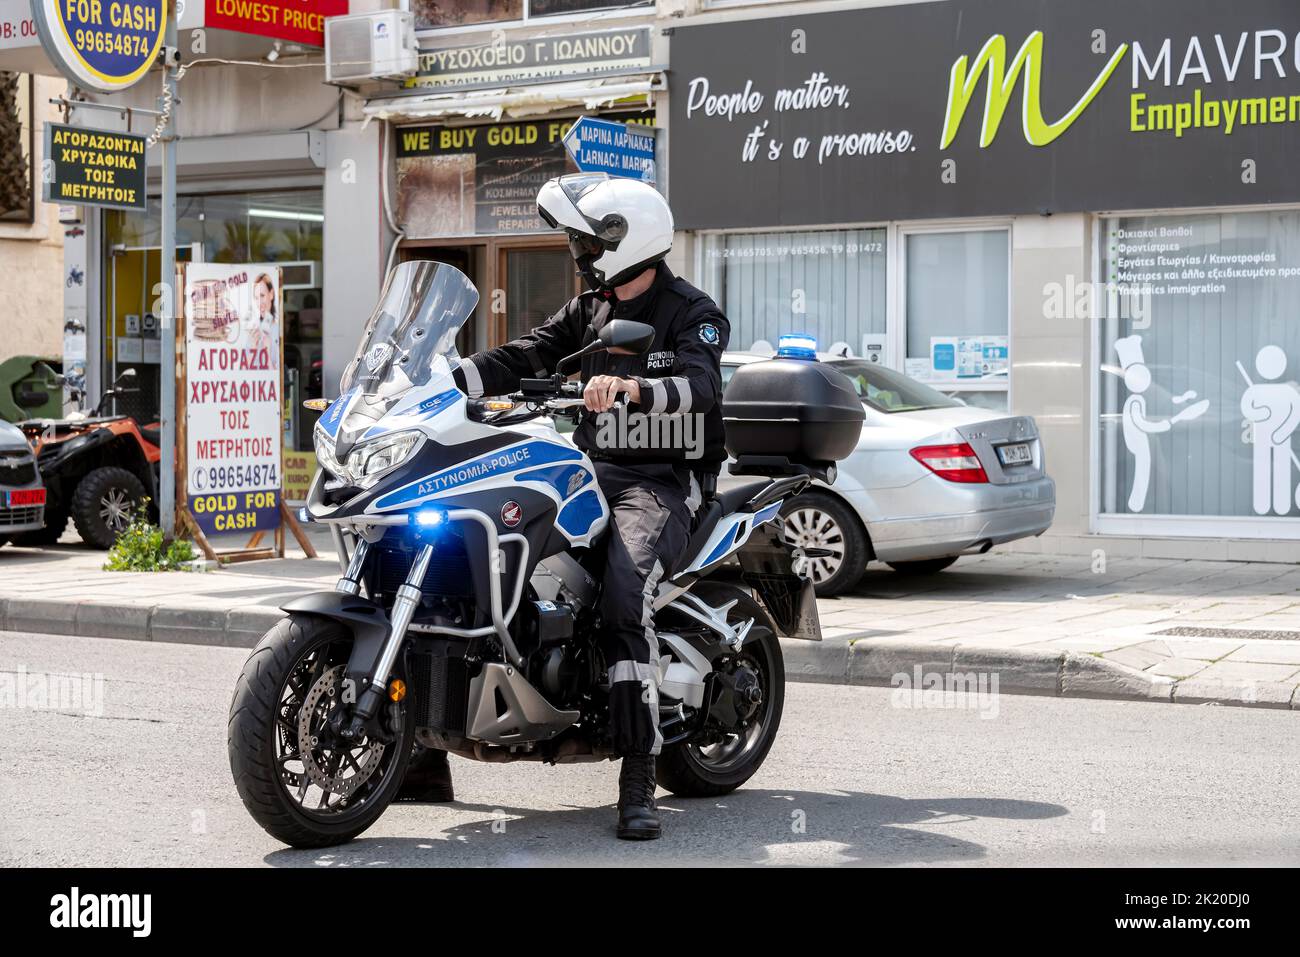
<point>302,783</point>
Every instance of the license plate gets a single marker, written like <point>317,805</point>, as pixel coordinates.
<point>1017,454</point>
<point>26,496</point>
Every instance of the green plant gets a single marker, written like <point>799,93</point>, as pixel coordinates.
<point>15,163</point>
<point>140,548</point>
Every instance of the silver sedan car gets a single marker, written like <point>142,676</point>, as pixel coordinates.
<point>22,496</point>
<point>931,479</point>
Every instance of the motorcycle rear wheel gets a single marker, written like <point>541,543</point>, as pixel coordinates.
<point>694,768</point>
<point>298,662</point>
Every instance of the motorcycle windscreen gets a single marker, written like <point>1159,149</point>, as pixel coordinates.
<point>409,340</point>
<point>420,311</point>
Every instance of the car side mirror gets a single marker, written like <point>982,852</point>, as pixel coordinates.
<point>627,337</point>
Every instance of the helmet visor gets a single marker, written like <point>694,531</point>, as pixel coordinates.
<point>577,185</point>
<point>584,245</point>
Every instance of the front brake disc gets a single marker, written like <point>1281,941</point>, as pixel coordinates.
<point>313,717</point>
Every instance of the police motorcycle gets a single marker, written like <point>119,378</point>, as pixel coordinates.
<point>466,619</point>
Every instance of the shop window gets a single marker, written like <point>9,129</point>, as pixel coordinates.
<point>17,178</point>
<point>957,313</point>
<point>283,227</point>
<point>829,284</point>
<point>1199,372</point>
<point>538,283</point>
<point>546,8</point>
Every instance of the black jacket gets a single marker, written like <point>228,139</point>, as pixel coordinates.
<point>681,373</point>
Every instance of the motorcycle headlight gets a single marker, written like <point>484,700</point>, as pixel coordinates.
<point>324,443</point>
<point>372,459</point>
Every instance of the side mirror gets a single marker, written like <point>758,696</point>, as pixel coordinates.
<point>126,376</point>
<point>621,336</point>
<point>627,337</point>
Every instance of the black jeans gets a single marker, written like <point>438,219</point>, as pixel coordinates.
<point>649,528</point>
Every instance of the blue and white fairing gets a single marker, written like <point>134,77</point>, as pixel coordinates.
<point>513,461</point>
<point>731,533</point>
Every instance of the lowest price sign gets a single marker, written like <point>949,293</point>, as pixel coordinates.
<point>232,396</point>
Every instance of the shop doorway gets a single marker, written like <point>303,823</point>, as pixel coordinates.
<point>539,280</point>
<point>132,330</point>
<point>465,259</point>
<point>522,282</point>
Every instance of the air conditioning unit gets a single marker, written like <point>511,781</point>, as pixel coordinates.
<point>370,46</point>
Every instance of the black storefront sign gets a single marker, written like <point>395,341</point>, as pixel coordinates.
<point>985,107</point>
<point>533,59</point>
<point>502,166</point>
<point>94,168</point>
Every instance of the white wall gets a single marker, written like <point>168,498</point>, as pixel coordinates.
<point>356,242</point>
<point>1050,378</point>
<point>31,260</point>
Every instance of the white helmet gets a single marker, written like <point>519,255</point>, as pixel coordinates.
<point>617,227</point>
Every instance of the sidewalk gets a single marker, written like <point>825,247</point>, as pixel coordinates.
<point>1183,631</point>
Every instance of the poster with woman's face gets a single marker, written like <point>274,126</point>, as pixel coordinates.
<point>261,320</point>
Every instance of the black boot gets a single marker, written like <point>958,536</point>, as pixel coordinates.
<point>638,820</point>
<point>428,778</point>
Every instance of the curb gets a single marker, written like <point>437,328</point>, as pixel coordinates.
<point>854,660</point>
<point>909,664</point>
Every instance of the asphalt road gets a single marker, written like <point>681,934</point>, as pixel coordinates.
<point>851,780</point>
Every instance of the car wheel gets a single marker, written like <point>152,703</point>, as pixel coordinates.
<point>823,522</point>
<point>929,566</point>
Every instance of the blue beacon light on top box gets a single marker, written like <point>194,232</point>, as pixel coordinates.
<point>797,345</point>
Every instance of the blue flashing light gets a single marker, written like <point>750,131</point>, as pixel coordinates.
<point>428,517</point>
<point>304,516</point>
<point>797,346</point>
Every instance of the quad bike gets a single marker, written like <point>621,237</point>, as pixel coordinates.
<point>97,468</point>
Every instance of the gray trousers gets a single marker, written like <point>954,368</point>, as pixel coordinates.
<point>648,531</point>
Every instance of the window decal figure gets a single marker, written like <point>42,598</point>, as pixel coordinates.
<point>1138,429</point>
<point>1273,408</point>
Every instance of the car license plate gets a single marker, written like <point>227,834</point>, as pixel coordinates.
<point>1017,454</point>
<point>26,496</point>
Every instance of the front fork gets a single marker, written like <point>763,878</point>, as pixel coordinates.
<point>404,607</point>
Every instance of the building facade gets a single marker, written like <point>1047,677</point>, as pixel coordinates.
<point>1083,212</point>
<point>31,237</point>
<point>1080,212</point>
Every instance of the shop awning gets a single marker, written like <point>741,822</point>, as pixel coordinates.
<point>517,101</point>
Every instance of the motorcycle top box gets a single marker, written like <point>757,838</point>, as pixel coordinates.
<point>797,408</point>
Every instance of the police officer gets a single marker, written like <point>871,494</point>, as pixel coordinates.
<point>651,472</point>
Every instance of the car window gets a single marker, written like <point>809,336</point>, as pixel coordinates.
<point>888,391</point>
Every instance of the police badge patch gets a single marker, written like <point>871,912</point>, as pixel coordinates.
<point>709,333</point>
